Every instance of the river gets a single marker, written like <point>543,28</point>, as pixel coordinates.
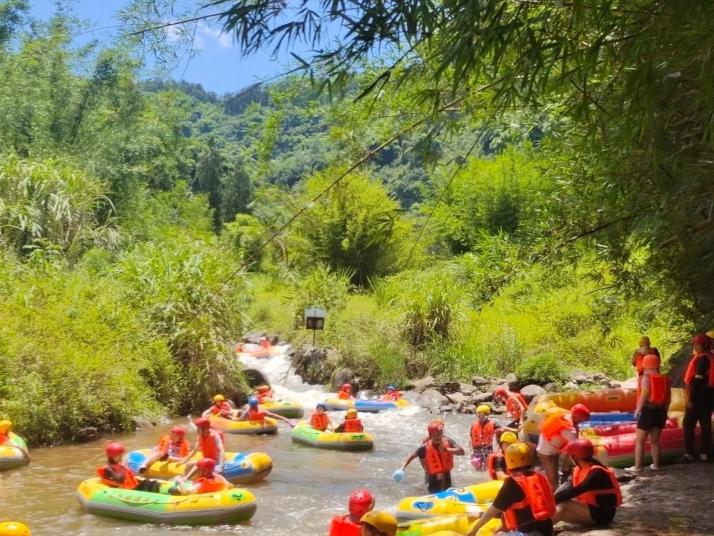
<point>305,489</point>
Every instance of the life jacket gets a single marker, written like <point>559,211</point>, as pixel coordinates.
<point>343,526</point>
<point>495,462</point>
<point>691,372</point>
<point>482,435</point>
<point>265,343</point>
<point>209,485</point>
<point>224,409</point>
<point>172,449</point>
<point>209,445</point>
<point>513,407</point>
<point>392,396</point>
<point>590,497</point>
<point>319,421</point>
<point>123,476</point>
<point>438,462</point>
<point>353,426</point>
<point>256,415</point>
<point>344,395</point>
<point>538,504</point>
<point>4,438</point>
<point>262,397</point>
<point>553,427</point>
<point>660,386</point>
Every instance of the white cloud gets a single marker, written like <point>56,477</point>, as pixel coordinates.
<point>209,37</point>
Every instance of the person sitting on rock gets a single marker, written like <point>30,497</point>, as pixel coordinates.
<point>116,474</point>
<point>221,408</point>
<point>208,480</point>
<point>172,447</point>
<point>319,420</point>
<point>345,392</point>
<point>496,463</point>
<point>360,502</point>
<point>592,495</point>
<point>392,394</point>
<point>351,424</point>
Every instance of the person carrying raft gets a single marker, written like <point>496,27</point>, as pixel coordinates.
<point>496,463</point>
<point>172,447</point>
<point>351,424</point>
<point>699,396</point>
<point>221,408</point>
<point>481,437</point>
<point>645,348</point>
<point>592,495</point>
<point>116,474</point>
<point>360,502</point>
<point>319,419</point>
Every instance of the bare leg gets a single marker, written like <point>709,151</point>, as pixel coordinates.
<point>654,445</point>
<point>640,438</point>
<point>573,512</point>
<point>550,464</point>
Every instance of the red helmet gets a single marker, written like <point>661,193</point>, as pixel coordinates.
<point>580,448</point>
<point>346,387</point>
<point>580,412</point>
<point>650,361</point>
<point>179,431</point>
<point>701,338</point>
<point>500,391</point>
<point>360,502</point>
<point>434,427</point>
<point>202,422</point>
<point>114,449</point>
<point>206,464</point>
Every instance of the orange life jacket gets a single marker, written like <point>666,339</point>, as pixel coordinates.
<point>392,396</point>
<point>256,415</point>
<point>691,372</point>
<point>438,461</point>
<point>344,395</point>
<point>553,427</point>
<point>659,390</point>
<point>353,426</point>
<point>496,462</point>
<point>513,405</point>
<point>343,526</point>
<point>482,435</point>
<point>209,445</point>
<point>538,504</point>
<point>4,438</point>
<point>125,477</point>
<point>223,409</point>
<point>172,449</point>
<point>209,485</point>
<point>590,497</point>
<point>319,421</point>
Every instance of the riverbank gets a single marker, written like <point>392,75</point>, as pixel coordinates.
<point>675,501</point>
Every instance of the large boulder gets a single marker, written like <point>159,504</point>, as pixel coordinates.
<point>450,387</point>
<point>467,389</point>
<point>432,399</point>
<point>481,398</point>
<point>341,376</point>
<point>457,398</point>
<point>531,391</point>
<point>480,381</point>
<point>315,365</point>
<point>429,382</point>
<point>87,434</point>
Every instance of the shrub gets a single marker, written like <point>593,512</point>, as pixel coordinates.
<point>541,369</point>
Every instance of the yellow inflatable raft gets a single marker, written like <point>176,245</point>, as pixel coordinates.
<point>11,456</point>
<point>307,435</point>
<point>453,525</point>
<point>220,508</point>
<point>468,500</point>
<point>267,426</point>
<point>285,408</point>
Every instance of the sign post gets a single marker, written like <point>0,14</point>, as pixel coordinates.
<point>314,320</point>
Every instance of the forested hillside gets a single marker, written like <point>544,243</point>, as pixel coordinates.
<point>135,216</point>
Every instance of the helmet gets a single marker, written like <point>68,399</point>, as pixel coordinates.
<point>263,388</point>
<point>351,413</point>
<point>580,448</point>
<point>360,502</point>
<point>483,409</point>
<point>580,412</point>
<point>382,521</point>
<point>434,427</point>
<point>179,431</point>
<point>390,387</point>
<point>114,449</point>
<point>321,405</point>
<point>202,422</point>
<point>710,333</point>
<point>12,528</point>
<point>518,455</point>
<point>219,398</point>
<point>346,387</point>
<point>701,338</point>
<point>5,426</point>
<point>650,361</point>
<point>500,391</point>
<point>252,401</point>
<point>206,464</point>
<point>508,437</point>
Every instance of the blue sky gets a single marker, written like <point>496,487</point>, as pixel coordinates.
<point>218,66</point>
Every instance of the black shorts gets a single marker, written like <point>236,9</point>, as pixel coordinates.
<point>436,485</point>
<point>652,418</point>
<point>602,515</point>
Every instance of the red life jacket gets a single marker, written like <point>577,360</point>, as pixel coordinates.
<point>319,421</point>
<point>353,426</point>
<point>482,434</point>
<point>256,415</point>
<point>590,497</point>
<point>209,445</point>
<point>172,449</point>
<point>496,462</point>
<point>223,409</point>
<point>538,504</point>
<point>513,405</point>
<point>659,389</point>
<point>343,526</point>
<point>123,476</point>
<point>438,462</point>
<point>209,485</point>
<point>553,427</point>
<point>691,372</point>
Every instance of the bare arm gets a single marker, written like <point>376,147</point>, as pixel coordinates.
<point>487,516</point>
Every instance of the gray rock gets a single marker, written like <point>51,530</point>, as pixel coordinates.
<point>450,387</point>
<point>315,365</point>
<point>422,385</point>
<point>529,392</point>
<point>142,423</point>
<point>480,398</point>
<point>578,376</point>
<point>446,409</point>
<point>510,378</point>
<point>87,434</point>
<point>571,386</point>
<point>478,381</point>
<point>432,399</point>
<point>550,387</point>
<point>467,389</point>
<point>458,398</point>
<point>341,376</point>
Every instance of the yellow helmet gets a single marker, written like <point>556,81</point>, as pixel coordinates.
<point>5,426</point>
<point>351,413</point>
<point>11,528</point>
<point>483,408</point>
<point>219,398</point>
<point>508,438</point>
<point>518,455</point>
<point>382,521</point>
<point>710,333</point>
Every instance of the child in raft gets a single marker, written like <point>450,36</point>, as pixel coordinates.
<point>319,419</point>
<point>172,447</point>
<point>351,424</point>
<point>221,407</point>
<point>208,480</point>
<point>117,475</point>
<point>254,414</point>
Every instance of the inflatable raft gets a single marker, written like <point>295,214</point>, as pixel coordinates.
<point>454,501</point>
<point>366,406</point>
<point>238,467</point>
<point>285,408</point>
<point>451,525</point>
<point>11,457</point>
<point>267,426</point>
<point>305,434</point>
<point>229,506</point>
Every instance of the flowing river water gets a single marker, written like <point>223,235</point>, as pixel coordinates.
<point>305,489</point>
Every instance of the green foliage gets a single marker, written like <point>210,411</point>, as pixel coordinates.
<point>320,287</point>
<point>245,235</point>
<point>541,369</point>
